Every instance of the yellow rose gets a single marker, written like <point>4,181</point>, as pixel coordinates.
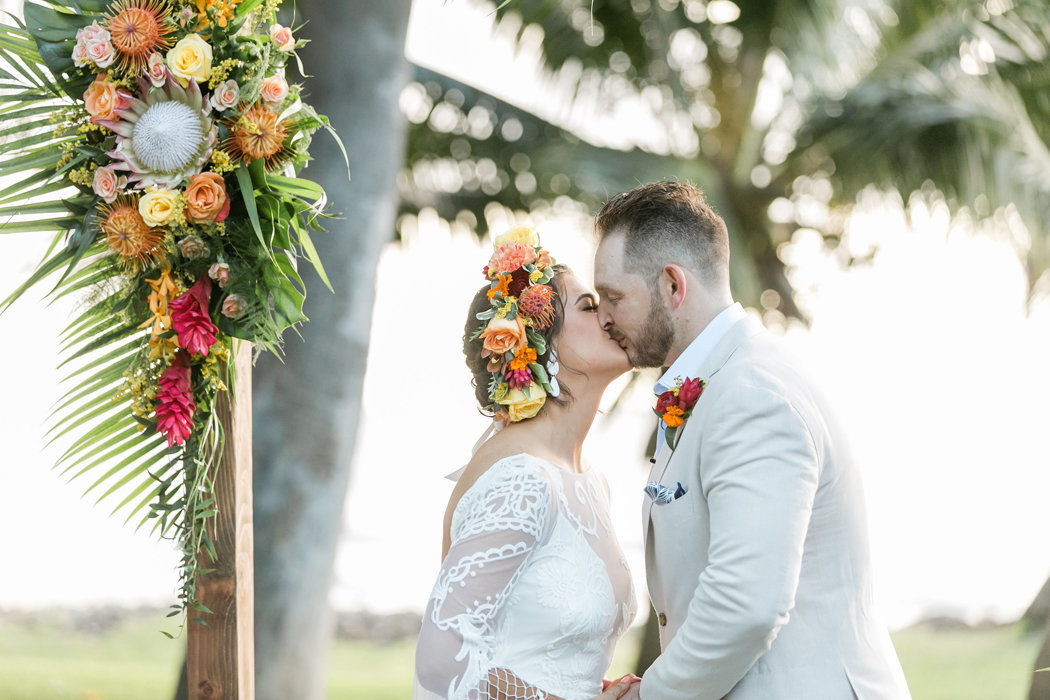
<point>158,207</point>
<point>519,234</point>
<point>190,58</point>
<point>523,404</point>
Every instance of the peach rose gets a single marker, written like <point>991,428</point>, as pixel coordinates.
<point>501,335</point>
<point>106,184</point>
<point>101,53</point>
<point>225,96</point>
<point>156,71</point>
<point>519,234</point>
<point>158,207</point>
<point>233,306</point>
<point>206,199</point>
<point>282,37</point>
<point>220,272</point>
<point>523,403</point>
<point>190,59</point>
<point>102,99</point>
<point>274,89</point>
<point>510,256</point>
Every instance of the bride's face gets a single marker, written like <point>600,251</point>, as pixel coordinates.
<point>582,344</point>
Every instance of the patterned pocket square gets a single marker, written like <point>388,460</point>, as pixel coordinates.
<point>663,495</point>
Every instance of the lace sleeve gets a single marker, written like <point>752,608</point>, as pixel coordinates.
<point>496,527</point>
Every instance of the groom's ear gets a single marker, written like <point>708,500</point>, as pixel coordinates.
<point>674,283</point>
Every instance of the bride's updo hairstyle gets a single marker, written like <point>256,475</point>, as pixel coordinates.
<point>513,323</point>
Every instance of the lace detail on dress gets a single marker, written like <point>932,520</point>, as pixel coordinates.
<point>532,590</point>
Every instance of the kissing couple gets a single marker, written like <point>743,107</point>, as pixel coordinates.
<point>756,544</point>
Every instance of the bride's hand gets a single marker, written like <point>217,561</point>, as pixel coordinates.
<point>614,690</point>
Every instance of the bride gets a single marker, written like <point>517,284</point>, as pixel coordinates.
<point>534,590</point>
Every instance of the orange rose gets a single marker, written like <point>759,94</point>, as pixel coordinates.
<point>274,89</point>
<point>102,99</point>
<point>502,335</point>
<point>206,199</point>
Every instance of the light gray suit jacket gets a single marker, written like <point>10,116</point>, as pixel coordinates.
<point>760,572</point>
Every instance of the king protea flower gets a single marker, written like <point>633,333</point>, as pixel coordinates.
<point>191,320</point>
<point>175,404</point>
<point>164,136</point>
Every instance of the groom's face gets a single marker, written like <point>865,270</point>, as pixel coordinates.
<point>627,310</point>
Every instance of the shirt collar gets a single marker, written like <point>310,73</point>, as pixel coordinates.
<point>698,350</point>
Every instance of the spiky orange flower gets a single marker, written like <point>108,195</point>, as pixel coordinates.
<point>127,234</point>
<point>257,133</point>
<point>137,29</point>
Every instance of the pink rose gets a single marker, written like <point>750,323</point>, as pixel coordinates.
<point>106,184</point>
<point>233,306</point>
<point>156,70</point>
<point>80,54</point>
<point>220,272</point>
<point>225,96</point>
<point>101,53</point>
<point>92,33</point>
<point>274,89</point>
<point>282,37</point>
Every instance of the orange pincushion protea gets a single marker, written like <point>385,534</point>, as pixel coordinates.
<point>257,133</point>
<point>137,29</point>
<point>126,233</point>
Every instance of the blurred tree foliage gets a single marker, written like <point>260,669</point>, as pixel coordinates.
<point>799,104</point>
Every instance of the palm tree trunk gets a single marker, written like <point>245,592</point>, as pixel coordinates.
<point>307,409</point>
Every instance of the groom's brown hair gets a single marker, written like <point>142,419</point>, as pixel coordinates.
<point>667,222</point>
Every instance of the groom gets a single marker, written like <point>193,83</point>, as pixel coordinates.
<point>756,545</point>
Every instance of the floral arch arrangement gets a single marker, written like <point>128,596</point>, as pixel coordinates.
<point>160,142</point>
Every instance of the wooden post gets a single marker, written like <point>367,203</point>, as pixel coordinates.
<point>220,658</point>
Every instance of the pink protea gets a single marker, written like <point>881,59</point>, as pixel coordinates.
<point>190,318</point>
<point>175,401</point>
<point>519,378</point>
<point>537,303</point>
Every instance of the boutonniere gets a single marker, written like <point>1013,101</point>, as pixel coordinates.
<point>675,405</point>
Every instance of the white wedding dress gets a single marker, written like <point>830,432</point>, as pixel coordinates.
<point>533,594</point>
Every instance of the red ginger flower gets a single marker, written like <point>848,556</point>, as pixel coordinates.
<point>175,401</point>
<point>688,393</point>
<point>190,318</point>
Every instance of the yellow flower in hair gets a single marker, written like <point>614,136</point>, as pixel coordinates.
<point>519,234</point>
<point>523,403</point>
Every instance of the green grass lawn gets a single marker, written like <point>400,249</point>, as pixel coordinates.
<point>50,660</point>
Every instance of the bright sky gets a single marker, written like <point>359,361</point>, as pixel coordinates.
<point>928,352</point>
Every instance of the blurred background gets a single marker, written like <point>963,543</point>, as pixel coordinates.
<point>884,172</point>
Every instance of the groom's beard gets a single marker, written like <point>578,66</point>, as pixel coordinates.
<point>655,340</point>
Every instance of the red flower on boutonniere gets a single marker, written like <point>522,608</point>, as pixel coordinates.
<point>675,405</point>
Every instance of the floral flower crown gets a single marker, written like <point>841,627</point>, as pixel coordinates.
<point>522,305</point>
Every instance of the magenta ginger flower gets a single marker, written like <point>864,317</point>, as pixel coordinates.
<point>175,401</point>
<point>190,318</point>
<point>519,378</point>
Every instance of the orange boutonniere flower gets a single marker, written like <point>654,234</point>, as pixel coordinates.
<point>675,405</point>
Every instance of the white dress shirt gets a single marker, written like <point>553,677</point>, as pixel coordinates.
<point>695,354</point>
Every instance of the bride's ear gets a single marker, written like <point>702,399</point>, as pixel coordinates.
<point>673,284</point>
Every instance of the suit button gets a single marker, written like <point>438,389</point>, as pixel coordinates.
<point>662,619</point>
